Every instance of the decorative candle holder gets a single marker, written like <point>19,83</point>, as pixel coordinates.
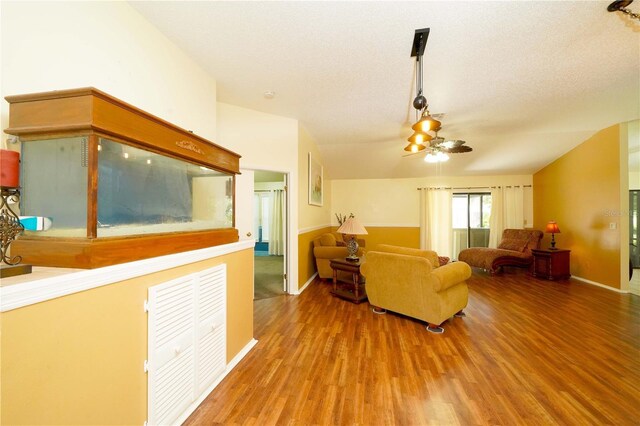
<point>10,228</point>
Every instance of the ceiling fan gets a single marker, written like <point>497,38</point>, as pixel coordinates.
<point>438,149</point>
<point>422,140</point>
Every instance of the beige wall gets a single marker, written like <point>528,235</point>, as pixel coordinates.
<point>395,202</point>
<point>311,216</point>
<point>107,45</point>
<point>266,142</point>
<point>581,191</point>
<point>313,220</point>
<point>78,359</point>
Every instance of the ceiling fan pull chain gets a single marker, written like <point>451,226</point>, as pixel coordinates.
<point>630,13</point>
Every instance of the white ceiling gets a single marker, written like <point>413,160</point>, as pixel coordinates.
<point>522,82</point>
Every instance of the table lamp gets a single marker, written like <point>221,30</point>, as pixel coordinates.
<point>10,225</point>
<point>350,228</point>
<point>552,228</point>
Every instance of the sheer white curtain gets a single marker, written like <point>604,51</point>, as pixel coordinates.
<point>276,219</point>
<point>496,221</point>
<point>507,211</point>
<point>513,207</point>
<point>435,221</point>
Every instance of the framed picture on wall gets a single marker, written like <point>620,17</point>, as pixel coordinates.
<point>316,182</point>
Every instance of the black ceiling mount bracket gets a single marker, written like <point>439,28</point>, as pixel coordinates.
<point>419,42</point>
<point>618,4</point>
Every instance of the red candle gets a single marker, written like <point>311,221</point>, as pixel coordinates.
<point>9,168</point>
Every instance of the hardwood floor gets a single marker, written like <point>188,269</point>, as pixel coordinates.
<point>528,352</point>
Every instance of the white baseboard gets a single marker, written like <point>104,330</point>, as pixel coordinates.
<point>304,287</point>
<point>617,290</point>
<point>230,366</point>
<point>236,359</point>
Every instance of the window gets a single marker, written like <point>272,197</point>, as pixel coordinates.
<point>471,213</point>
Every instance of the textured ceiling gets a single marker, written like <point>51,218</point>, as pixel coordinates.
<point>522,82</point>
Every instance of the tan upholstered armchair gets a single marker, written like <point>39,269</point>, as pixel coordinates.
<point>410,282</point>
<point>513,250</point>
<point>327,247</point>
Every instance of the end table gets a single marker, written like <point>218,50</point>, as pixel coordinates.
<point>353,290</point>
<point>551,264</point>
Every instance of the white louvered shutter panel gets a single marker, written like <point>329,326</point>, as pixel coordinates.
<point>171,350</point>
<point>211,326</point>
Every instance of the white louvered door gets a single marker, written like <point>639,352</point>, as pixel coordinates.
<point>211,330</point>
<point>171,351</point>
<point>187,342</point>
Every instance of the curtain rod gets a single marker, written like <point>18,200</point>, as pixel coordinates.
<point>475,187</point>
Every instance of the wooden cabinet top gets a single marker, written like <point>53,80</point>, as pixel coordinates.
<point>549,251</point>
<point>89,110</point>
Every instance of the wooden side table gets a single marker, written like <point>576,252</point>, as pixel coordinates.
<point>353,290</point>
<point>551,264</point>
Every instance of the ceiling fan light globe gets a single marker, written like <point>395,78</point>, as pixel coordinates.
<point>430,158</point>
<point>442,157</point>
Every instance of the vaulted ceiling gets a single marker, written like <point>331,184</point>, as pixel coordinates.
<point>522,82</point>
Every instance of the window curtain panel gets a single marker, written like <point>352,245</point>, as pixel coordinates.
<point>496,220</point>
<point>507,211</point>
<point>435,221</point>
<point>276,230</point>
<point>513,207</point>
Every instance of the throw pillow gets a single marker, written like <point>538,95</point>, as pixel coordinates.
<point>511,244</point>
<point>328,240</point>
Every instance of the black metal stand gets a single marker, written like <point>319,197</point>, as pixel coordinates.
<point>10,228</point>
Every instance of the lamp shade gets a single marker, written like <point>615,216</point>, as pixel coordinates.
<point>419,138</point>
<point>414,147</point>
<point>352,227</point>
<point>426,123</point>
<point>552,228</point>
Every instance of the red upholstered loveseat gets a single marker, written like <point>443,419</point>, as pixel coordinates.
<point>514,250</point>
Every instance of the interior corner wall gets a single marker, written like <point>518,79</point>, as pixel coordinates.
<point>314,219</point>
<point>633,142</point>
<point>581,191</point>
<point>107,45</point>
<point>276,149</point>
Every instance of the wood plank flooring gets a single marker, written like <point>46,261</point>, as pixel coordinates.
<point>529,352</point>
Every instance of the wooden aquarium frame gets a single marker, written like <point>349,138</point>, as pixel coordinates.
<point>92,113</point>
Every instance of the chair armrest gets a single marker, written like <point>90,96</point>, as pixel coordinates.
<point>449,275</point>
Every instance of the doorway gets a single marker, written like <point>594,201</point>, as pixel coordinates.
<point>269,231</point>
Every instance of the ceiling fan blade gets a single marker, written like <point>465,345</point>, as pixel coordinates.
<point>453,143</point>
<point>458,149</point>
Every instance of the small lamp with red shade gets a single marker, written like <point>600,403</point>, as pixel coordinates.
<point>10,226</point>
<point>552,228</point>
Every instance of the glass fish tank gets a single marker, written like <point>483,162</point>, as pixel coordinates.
<point>115,183</point>
<point>139,192</point>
